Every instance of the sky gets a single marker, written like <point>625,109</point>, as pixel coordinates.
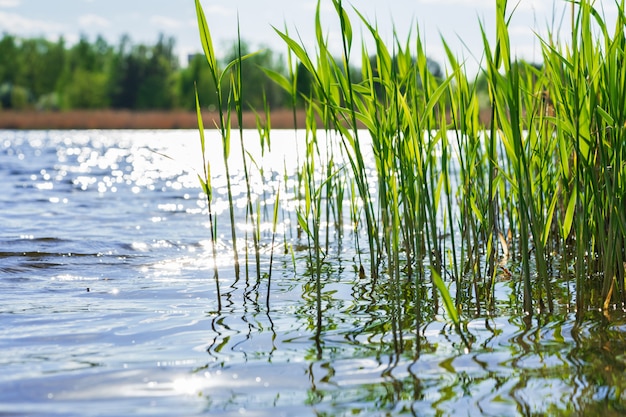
<point>457,21</point>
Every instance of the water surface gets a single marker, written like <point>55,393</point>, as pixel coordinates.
<point>109,304</point>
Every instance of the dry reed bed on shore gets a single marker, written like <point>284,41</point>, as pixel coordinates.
<point>125,119</point>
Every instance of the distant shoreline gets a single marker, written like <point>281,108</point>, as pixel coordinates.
<point>126,119</point>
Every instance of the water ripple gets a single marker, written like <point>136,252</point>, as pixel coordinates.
<point>109,298</point>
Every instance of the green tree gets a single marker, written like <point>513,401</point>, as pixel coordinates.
<point>29,68</point>
<point>256,86</point>
<point>84,81</point>
<point>9,64</point>
<point>143,77</point>
<point>196,72</point>
<point>40,65</point>
<point>91,57</point>
<point>304,82</point>
<point>125,75</point>
<point>157,88</point>
<point>88,90</point>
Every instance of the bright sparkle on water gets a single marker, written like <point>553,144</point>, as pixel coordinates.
<point>107,276</point>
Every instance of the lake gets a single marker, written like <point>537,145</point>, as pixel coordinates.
<point>109,303</point>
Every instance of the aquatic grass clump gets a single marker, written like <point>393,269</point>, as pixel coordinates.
<point>593,76</point>
<point>229,79</point>
<point>444,205</point>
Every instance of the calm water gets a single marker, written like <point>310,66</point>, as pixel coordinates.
<point>109,305</point>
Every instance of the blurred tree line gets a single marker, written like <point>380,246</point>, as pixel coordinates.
<point>40,74</point>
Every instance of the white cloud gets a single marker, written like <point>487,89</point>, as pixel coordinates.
<point>18,24</point>
<point>324,7</point>
<point>474,3</point>
<point>218,10</point>
<point>164,22</point>
<point>93,20</point>
<point>10,3</point>
<point>527,5</point>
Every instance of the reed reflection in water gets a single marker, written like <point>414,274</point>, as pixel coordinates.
<point>107,299</point>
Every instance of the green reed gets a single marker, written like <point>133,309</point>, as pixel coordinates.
<point>473,203</point>
<point>586,91</point>
<point>205,182</point>
<point>237,84</point>
<point>230,79</point>
<point>224,107</point>
<point>449,201</point>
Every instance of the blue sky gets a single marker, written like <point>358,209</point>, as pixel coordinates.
<point>456,20</point>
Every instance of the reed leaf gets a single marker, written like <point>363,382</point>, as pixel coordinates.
<point>448,304</point>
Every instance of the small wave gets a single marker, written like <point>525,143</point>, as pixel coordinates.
<point>43,253</point>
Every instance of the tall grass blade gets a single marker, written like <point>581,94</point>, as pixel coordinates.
<point>205,182</point>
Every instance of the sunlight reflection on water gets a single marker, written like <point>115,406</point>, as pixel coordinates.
<point>108,298</point>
